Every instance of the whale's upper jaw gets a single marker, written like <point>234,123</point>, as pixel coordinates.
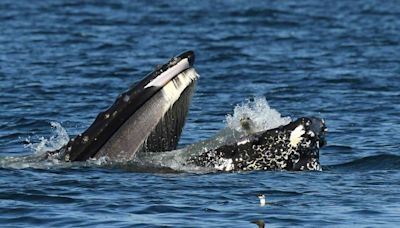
<point>107,123</point>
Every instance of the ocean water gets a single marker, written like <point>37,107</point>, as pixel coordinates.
<point>62,62</point>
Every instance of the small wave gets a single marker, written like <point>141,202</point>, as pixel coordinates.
<point>262,116</point>
<point>57,140</point>
<point>38,160</point>
<point>140,167</point>
<point>29,161</point>
<point>170,161</point>
<point>376,162</point>
<point>41,161</point>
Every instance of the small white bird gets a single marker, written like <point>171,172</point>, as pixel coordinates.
<point>262,199</point>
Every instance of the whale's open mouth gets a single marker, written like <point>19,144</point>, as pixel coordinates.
<point>148,117</point>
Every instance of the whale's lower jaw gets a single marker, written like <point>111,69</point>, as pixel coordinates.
<point>157,125</point>
<point>292,147</point>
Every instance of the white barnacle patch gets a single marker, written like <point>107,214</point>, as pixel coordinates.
<point>243,142</point>
<point>311,133</point>
<point>295,136</point>
<point>225,165</point>
<point>306,144</point>
<point>314,165</point>
<point>295,156</point>
<point>126,98</point>
<point>85,139</point>
<point>257,147</point>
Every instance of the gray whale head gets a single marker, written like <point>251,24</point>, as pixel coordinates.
<point>147,117</point>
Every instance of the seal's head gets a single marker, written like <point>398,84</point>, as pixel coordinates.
<point>247,125</point>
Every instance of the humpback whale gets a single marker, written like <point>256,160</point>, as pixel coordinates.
<point>292,147</point>
<point>149,118</point>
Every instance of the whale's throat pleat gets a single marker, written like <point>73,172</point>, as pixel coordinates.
<point>157,125</point>
<point>166,134</point>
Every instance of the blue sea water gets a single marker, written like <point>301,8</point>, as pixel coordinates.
<point>65,61</point>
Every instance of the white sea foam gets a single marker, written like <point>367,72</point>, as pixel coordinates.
<point>58,139</point>
<point>98,161</point>
<point>260,113</point>
<point>263,117</point>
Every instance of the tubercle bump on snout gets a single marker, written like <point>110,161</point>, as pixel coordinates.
<point>314,124</point>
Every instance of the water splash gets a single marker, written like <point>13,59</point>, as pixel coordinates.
<point>57,140</point>
<point>261,114</point>
<point>38,159</point>
<point>263,117</point>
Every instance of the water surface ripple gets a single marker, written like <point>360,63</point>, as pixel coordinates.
<point>65,61</point>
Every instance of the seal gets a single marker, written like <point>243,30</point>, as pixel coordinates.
<point>247,125</point>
